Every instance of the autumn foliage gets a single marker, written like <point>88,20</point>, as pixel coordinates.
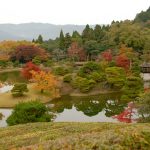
<point>76,52</point>
<point>126,115</point>
<point>26,71</point>
<point>123,61</point>
<point>107,55</point>
<point>25,53</point>
<point>45,81</point>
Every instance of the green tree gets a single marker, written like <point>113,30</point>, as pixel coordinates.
<point>19,89</point>
<point>67,40</point>
<point>39,39</point>
<point>91,48</point>
<point>36,60</point>
<point>87,34</point>
<point>25,112</point>
<point>61,40</point>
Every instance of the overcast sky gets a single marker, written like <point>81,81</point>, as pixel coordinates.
<point>70,11</point>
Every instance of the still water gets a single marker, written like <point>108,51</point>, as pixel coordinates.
<point>98,108</point>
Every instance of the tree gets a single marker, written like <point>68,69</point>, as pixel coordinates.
<point>61,40</point>
<point>123,61</point>
<point>87,34</point>
<point>26,112</point>
<point>40,39</point>
<point>26,71</point>
<point>115,76</point>
<point>91,47</point>
<point>76,53</point>
<point>19,89</point>
<point>67,40</point>
<point>45,81</point>
<point>25,53</point>
<point>107,55</point>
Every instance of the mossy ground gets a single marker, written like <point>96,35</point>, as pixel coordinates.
<point>76,136</point>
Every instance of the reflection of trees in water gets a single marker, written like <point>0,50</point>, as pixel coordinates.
<point>114,107</point>
<point>1,116</point>
<point>90,105</point>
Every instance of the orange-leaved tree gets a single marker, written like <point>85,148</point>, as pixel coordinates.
<point>45,81</point>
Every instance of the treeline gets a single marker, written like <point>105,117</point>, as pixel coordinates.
<point>134,34</point>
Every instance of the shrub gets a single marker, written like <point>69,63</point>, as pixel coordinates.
<point>16,63</point>
<point>19,89</point>
<point>3,64</point>
<point>61,71</point>
<point>25,112</point>
<point>83,84</point>
<point>97,77</point>
<point>88,68</point>
<point>48,63</point>
<point>132,88</point>
<point>67,78</point>
<point>36,60</point>
<point>115,77</point>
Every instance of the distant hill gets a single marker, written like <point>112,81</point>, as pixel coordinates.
<point>28,31</point>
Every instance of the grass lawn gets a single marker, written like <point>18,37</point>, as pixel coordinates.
<point>8,101</point>
<point>76,136</point>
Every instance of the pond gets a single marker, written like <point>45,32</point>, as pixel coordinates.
<point>11,77</point>
<point>99,108</point>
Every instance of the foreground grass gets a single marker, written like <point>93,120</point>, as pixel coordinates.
<point>8,101</point>
<point>76,136</point>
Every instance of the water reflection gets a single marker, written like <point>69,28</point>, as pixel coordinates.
<point>101,106</point>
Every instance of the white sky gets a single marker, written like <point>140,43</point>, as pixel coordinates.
<point>70,11</point>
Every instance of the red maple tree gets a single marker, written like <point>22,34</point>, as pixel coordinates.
<point>75,51</point>
<point>123,61</point>
<point>26,71</point>
<point>107,55</point>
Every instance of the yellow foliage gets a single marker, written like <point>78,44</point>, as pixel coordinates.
<point>45,81</point>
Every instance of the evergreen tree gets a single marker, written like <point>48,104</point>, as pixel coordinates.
<point>98,35</point>
<point>67,40</point>
<point>61,40</point>
<point>87,34</point>
<point>40,39</point>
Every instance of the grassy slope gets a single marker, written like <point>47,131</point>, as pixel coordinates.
<point>83,136</point>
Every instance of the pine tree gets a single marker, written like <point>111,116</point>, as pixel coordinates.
<point>87,34</point>
<point>61,40</point>
<point>40,39</point>
<point>67,40</point>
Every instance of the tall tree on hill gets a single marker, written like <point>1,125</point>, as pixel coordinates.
<point>67,40</point>
<point>87,34</point>
<point>98,33</point>
<point>40,39</point>
<point>61,40</point>
<point>76,37</point>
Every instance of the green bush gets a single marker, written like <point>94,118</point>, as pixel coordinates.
<point>48,63</point>
<point>19,89</point>
<point>36,60</point>
<point>89,68</point>
<point>132,88</point>
<point>83,84</point>
<point>3,64</point>
<point>61,71</point>
<point>97,77</point>
<point>16,63</point>
<point>25,112</point>
<point>67,78</point>
<point>115,77</point>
